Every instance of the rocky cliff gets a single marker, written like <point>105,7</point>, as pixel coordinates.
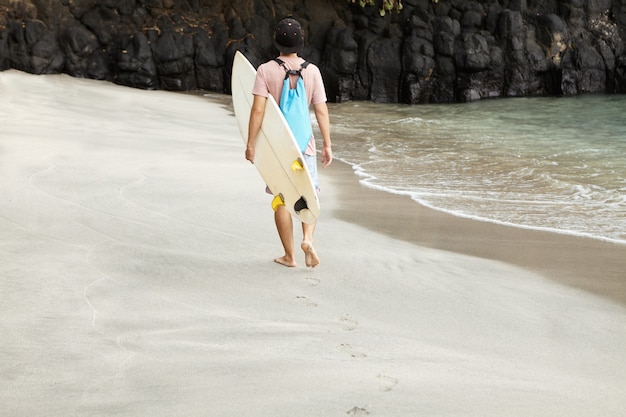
<point>432,51</point>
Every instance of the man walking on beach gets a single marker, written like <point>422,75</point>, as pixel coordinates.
<point>289,40</point>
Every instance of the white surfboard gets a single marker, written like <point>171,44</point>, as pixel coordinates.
<point>277,156</point>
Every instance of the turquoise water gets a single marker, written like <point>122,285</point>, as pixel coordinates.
<point>544,163</point>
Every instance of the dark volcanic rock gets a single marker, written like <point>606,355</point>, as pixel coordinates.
<point>430,52</point>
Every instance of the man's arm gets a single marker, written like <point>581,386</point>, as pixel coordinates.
<point>254,125</point>
<point>323,121</point>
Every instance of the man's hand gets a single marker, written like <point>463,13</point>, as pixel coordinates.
<point>250,154</point>
<point>327,156</point>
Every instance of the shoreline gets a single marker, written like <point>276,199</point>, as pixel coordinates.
<point>589,264</point>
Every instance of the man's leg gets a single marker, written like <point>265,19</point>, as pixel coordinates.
<point>310,257</point>
<point>284,225</point>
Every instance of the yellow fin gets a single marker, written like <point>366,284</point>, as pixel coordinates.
<point>278,201</point>
<point>297,165</point>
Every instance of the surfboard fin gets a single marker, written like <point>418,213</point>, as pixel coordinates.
<point>300,205</point>
<point>297,165</point>
<point>278,200</point>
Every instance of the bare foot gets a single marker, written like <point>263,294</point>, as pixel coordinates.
<point>310,256</point>
<point>283,260</point>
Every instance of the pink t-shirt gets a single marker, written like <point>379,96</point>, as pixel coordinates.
<point>270,77</point>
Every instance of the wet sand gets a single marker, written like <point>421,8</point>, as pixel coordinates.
<point>589,264</point>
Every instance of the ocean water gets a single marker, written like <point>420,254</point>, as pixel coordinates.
<point>555,164</point>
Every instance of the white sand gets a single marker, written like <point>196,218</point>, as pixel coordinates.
<point>136,279</point>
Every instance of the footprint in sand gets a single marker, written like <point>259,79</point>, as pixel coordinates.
<point>386,382</point>
<point>305,301</point>
<point>346,348</point>
<point>349,324</point>
<point>357,411</point>
<point>313,282</point>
